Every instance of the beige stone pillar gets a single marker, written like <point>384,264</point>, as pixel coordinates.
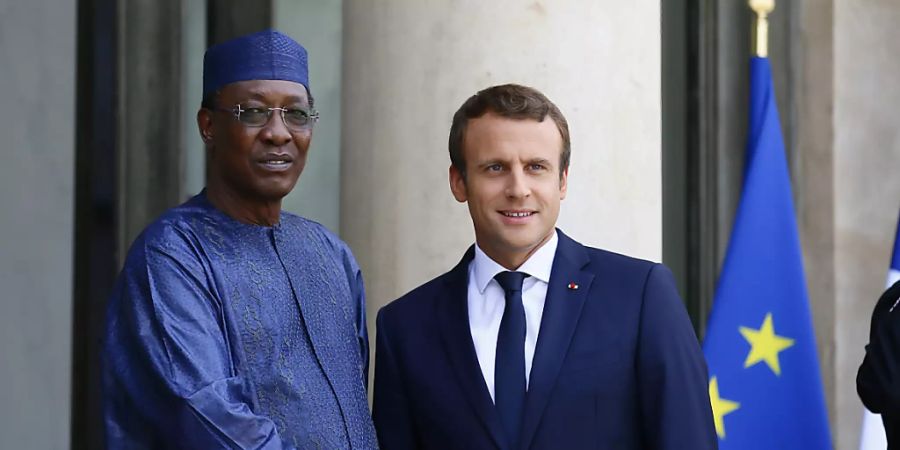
<point>409,65</point>
<point>866,182</point>
<point>849,188</point>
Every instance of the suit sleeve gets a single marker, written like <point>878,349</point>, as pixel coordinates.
<point>878,379</point>
<point>672,373</point>
<point>168,362</point>
<point>390,409</point>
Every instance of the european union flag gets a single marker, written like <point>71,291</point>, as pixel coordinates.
<point>765,387</point>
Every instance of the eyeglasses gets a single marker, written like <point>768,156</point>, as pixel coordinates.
<point>296,119</point>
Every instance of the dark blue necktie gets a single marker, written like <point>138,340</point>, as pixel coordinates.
<point>509,367</point>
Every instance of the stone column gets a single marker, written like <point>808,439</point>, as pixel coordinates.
<point>848,188</point>
<point>409,65</point>
<point>866,187</point>
<point>37,125</point>
<point>149,135</point>
<point>813,181</point>
<point>227,19</point>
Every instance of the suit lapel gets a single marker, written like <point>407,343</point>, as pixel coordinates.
<point>562,308</point>
<point>453,317</point>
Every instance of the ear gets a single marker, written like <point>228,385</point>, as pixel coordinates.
<point>458,185</point>
<point>563,183</point>
<point>205,126</point>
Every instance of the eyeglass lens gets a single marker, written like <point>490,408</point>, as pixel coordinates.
<point>293,117</point>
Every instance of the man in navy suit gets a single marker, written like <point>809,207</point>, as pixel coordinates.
<point>534,341</point>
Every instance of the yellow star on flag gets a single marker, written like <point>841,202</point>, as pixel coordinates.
<point>765,345</point>
<point>720,407</point>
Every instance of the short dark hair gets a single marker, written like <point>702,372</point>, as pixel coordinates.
<point>512,101</point>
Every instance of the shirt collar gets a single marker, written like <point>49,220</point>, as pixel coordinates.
<point>538,265</point>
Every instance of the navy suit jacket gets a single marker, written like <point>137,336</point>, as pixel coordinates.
<point>617,364</point>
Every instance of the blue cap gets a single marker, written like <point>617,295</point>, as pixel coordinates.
<point>265,55</point>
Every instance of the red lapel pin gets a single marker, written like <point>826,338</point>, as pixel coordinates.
<point>573,286</point>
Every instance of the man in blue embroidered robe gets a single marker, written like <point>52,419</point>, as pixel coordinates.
<point>234,324</point>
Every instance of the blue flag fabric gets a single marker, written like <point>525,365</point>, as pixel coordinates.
<point>765,386</point>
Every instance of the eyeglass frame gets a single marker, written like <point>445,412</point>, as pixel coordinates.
<point>237,109</point>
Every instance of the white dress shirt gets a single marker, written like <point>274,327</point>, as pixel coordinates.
<point>487,300</point>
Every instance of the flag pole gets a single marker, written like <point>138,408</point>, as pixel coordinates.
<point>762,8</point>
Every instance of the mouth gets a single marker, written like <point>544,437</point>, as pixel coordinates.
<point>516,216</point>
<point>276,162</point>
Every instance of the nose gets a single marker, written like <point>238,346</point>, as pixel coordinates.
<point>517,186</point>
<point>275,132</point>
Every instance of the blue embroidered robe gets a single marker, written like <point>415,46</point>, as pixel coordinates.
<point>222,334</point>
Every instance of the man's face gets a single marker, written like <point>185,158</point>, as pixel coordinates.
<point>513,185</point>
<point>255,163</point>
